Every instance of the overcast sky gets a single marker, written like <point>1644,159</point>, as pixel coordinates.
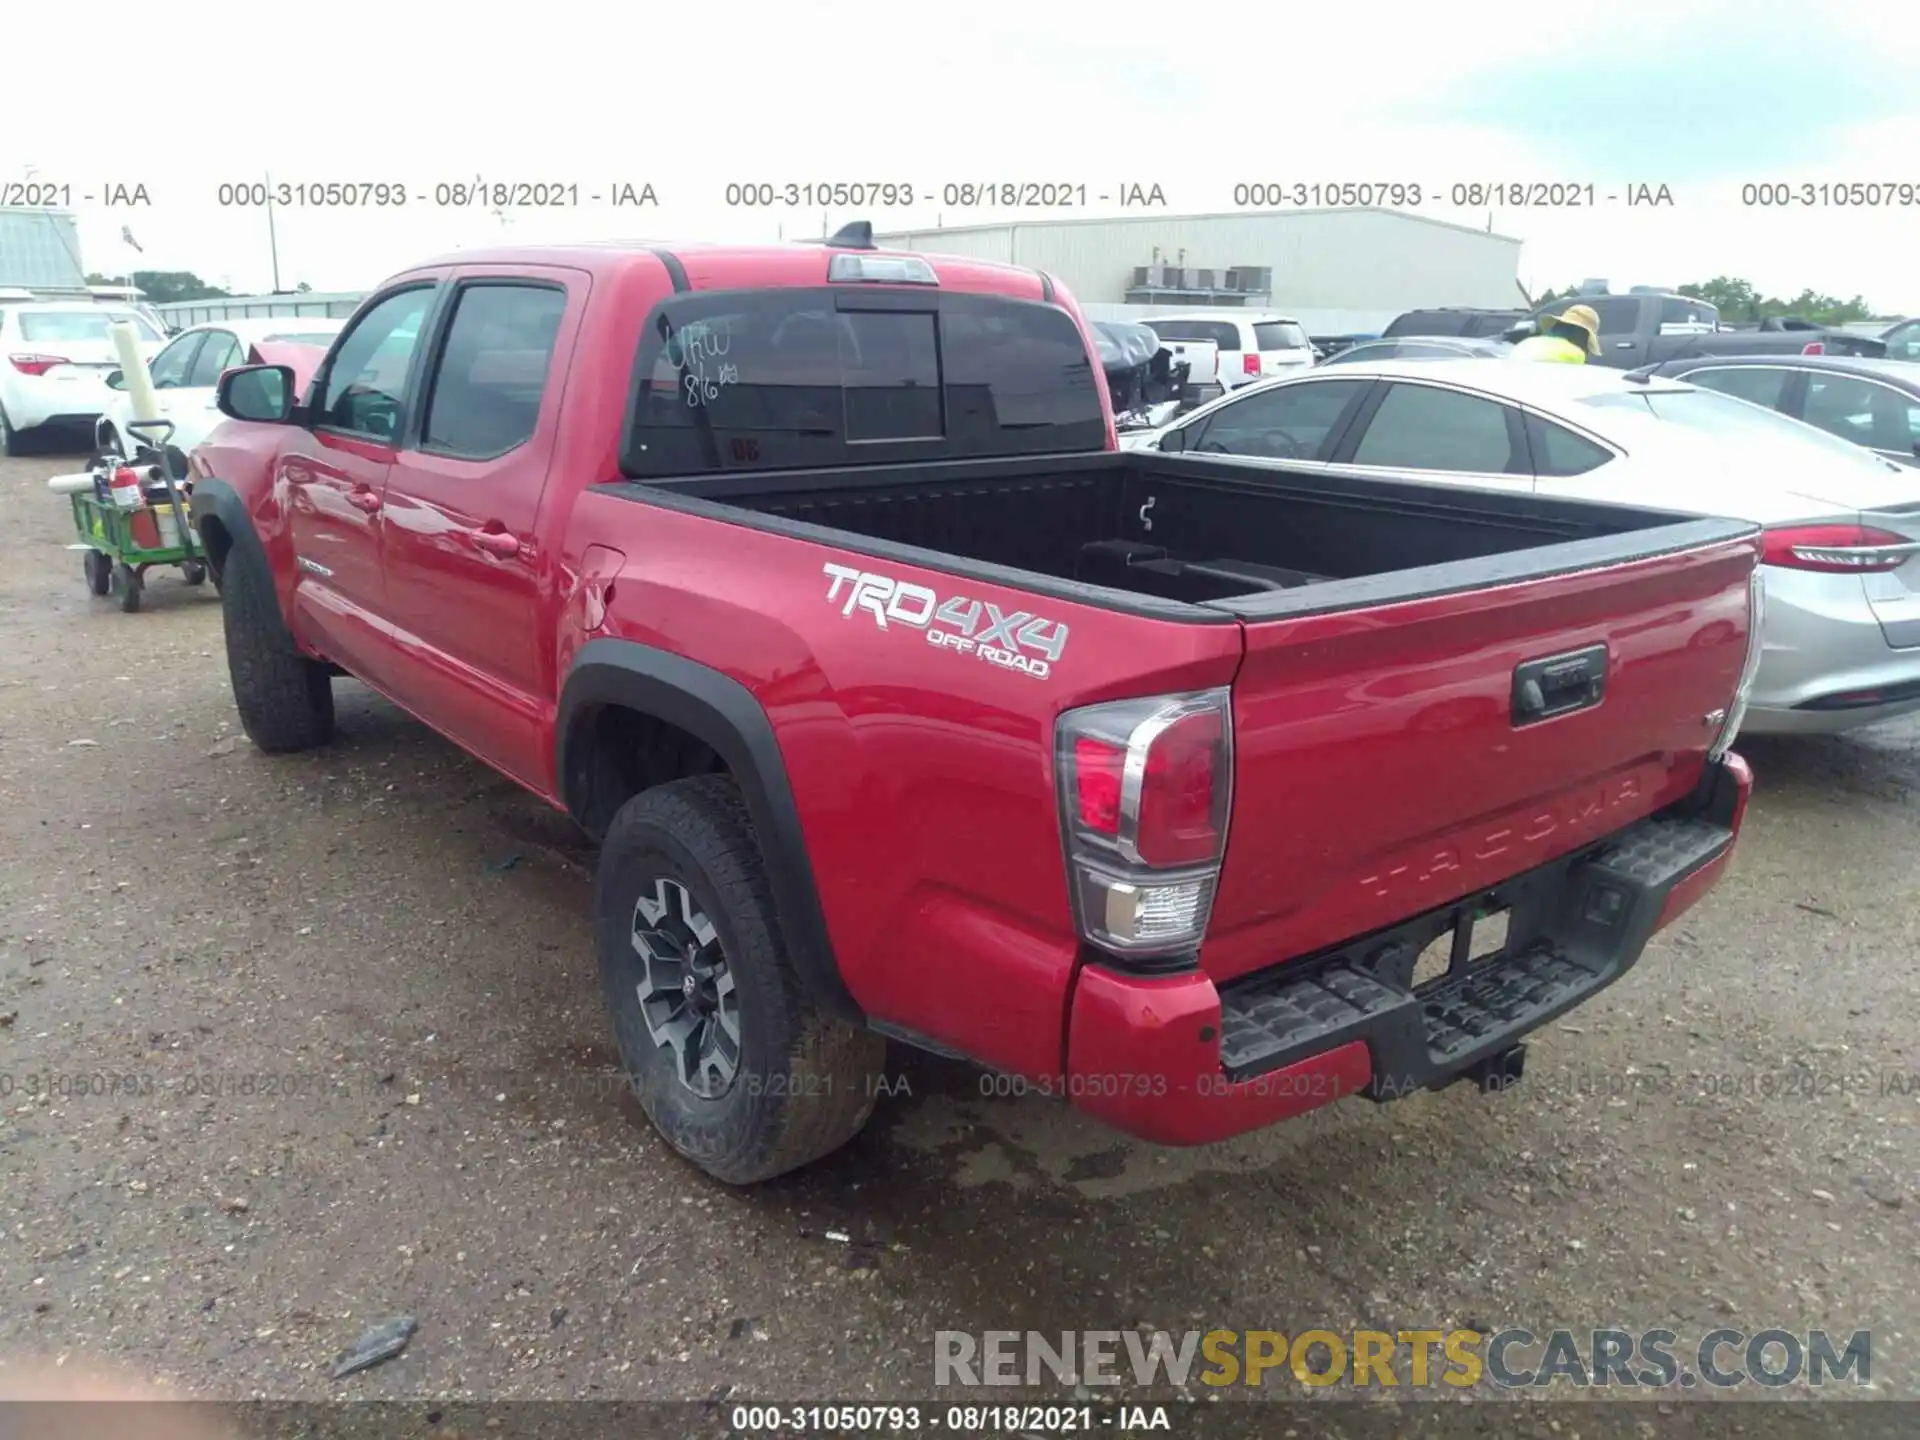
<point>1700,95</point>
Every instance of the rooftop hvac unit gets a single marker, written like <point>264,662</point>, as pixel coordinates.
<point>1202,279</point>
<point>1249,279</point>
<point>1594,287</point>
<point>1142,276</point>
<point>1649,290</point>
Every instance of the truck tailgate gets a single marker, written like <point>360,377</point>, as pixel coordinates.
<point>1385,762</point>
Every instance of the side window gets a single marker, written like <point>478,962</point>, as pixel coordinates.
<point>1558,452</point>
<point>366,381</point>
<point>220,352</point>
<point>1859,410</point>
<point>1760,384</point>
<point>1618,314</point>
<point>484,397</point>
<point>1903,341</point>
<point>1419,427</point>
<point>1677,310</point>
<point>171,366</point>
<point>1290,422</point>
<point>1223,334</point>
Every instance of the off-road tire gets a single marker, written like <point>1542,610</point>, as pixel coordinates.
<point>806,1084</point>
<point>285,699</point>
<point>97,565</point>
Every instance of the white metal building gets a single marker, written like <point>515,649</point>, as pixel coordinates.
<point>1336,271</point>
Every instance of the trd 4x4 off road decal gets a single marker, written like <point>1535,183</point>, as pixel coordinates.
<point>1020,641</point>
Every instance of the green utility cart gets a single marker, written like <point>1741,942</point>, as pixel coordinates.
<point>133,516</point>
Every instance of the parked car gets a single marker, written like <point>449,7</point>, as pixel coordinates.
<point>807,580</point>
<point>1421,348</point>
<point>1903,340</point>
<point>58,355</point>
<point>1253,344</point>
<point>1842,559</point>
<point>1651,327</point>
<point>187,371</point>
<point>1459,323</point>
<point>1875,403</point>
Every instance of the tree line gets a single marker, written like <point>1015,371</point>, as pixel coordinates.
<point>1741,300</point>
<point>163,287</point>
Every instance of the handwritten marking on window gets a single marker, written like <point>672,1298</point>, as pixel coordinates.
<point>697,351</point>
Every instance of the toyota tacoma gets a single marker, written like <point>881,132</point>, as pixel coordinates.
<point>809,580</point>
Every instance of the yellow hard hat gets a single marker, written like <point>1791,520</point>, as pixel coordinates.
<point>1586,319</point>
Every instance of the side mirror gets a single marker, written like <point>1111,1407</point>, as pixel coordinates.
<point>116,379</point>
<point>262,393</point>
<point>1174,441</point>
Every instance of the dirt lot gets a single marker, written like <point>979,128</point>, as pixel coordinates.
<point>354,1066</point>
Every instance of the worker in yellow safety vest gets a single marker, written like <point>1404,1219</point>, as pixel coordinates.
<point>1568,338</point>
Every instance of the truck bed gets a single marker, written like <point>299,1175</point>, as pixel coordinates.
<point>1183,536</point>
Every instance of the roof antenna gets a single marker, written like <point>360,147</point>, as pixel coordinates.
<point>856,235</point>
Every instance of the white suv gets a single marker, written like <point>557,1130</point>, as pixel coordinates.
<point>1253,344</point>
<point>54,362</point>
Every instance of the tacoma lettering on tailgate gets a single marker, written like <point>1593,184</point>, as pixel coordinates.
<point>1019,641</point>
<point>1574,820</point>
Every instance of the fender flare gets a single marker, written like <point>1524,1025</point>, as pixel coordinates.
<point>215,498</point>
<point>723,714</point>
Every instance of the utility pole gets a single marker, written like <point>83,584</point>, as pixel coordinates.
<point>273,238</point>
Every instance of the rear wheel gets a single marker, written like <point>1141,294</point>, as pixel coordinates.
<point>193,572</point>
<point>10,443</point>
<point>285,699</point>
<point>99,571</point>
<point>734,1066</point>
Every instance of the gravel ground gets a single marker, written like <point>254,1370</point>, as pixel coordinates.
<point>394,941</point>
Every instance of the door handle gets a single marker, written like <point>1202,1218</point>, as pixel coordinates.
<point>497,542</point>
<point>363,499</point>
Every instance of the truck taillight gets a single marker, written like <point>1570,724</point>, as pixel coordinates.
<point>1837,549</point>
<point>1145,791</point>
<point>1250,362</point>
<point>1814,347</point>
<point>1737,711</point>
<point>36,364</point>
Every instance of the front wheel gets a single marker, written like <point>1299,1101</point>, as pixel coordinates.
<point>125,585</point>
<point>99,571</point>
<point>731,1062</point>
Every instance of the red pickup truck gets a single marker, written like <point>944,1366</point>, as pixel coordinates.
<point>809,580</point>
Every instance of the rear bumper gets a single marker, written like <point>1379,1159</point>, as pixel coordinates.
<point>1827,664</point>
<point>1177,1061</point>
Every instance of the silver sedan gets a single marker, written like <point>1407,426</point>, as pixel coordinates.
<point>1842,562</point>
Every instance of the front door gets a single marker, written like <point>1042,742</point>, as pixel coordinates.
<point>332,480</point>
<point>465,572</point>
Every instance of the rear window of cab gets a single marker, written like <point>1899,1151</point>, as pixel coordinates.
<point>784,379</point>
